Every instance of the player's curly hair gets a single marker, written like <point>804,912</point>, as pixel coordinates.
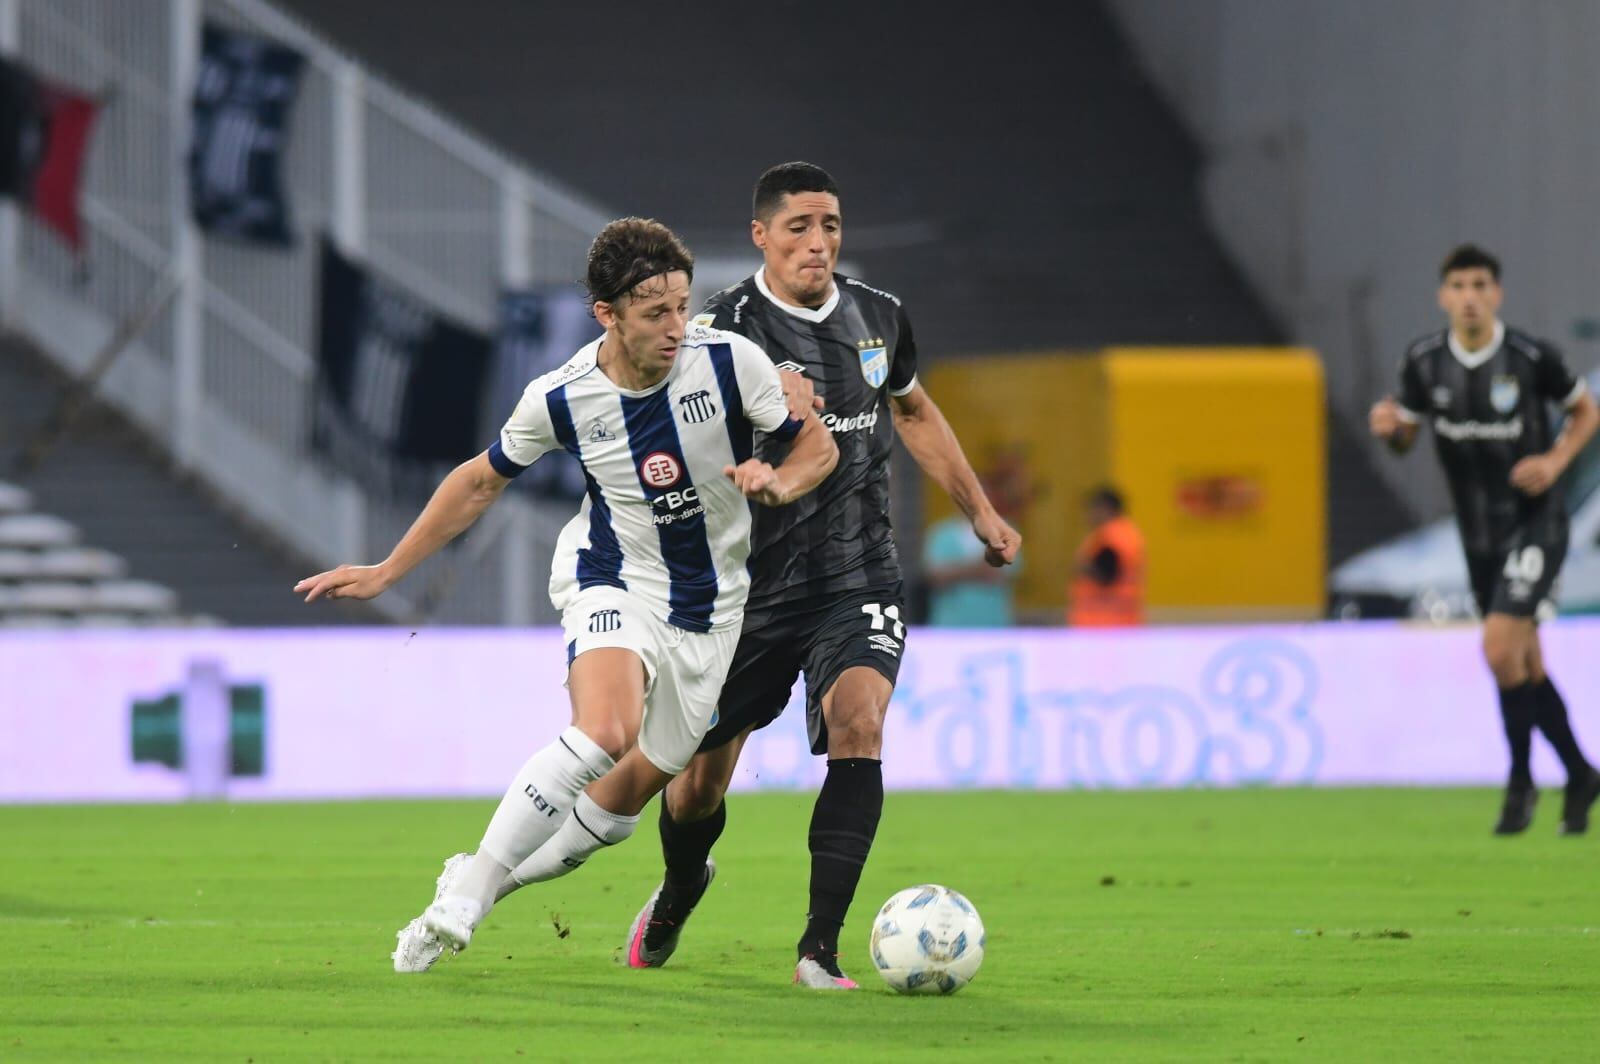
<point>629,251</point>
<point>1469,257</point>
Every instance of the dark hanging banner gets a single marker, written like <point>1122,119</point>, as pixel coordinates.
<point>397,379</point>
<point>44,136</point>
<point>243,94</point>
<point>539,330</point>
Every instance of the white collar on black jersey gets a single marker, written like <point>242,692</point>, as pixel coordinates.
<point>1474,359</point>
<point>803,313</point>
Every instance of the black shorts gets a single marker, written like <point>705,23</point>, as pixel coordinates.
<point>1519,581</point>
<point>820,638</point>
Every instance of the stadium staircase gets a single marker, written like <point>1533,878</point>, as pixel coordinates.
<point>104,534</point>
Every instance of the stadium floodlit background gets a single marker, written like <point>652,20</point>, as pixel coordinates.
<point>306,254</point>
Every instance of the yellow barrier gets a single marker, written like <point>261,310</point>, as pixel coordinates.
<point>1219,452</point>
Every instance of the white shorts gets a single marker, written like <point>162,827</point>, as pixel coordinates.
<point>684,671</point>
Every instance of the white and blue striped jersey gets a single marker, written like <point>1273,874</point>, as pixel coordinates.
<point>660,519</point>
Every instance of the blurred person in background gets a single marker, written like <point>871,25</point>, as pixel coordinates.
<point>1486,389</point>
<point>1108,579</point>
<point>965,591</point>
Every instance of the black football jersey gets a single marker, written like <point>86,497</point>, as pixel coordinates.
<point>857,349</point>
<point>1489,410</point>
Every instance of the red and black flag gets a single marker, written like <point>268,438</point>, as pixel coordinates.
<point>44,135</point>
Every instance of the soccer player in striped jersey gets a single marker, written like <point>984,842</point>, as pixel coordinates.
<point>650,576</point>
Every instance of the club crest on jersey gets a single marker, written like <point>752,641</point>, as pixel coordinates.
<point>1504,392</point>
<point>1441,397</point>
<point>660,470</point>
<point>874,361</point>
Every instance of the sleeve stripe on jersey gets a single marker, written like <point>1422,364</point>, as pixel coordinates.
<point>503,463</point>
<point>600,563</point>
<point>739,432</point>
<point>788,430</point>
<point>693,587</point>
<point>1408,415</point>
<point>898,392</point>
<point>1577,393</point>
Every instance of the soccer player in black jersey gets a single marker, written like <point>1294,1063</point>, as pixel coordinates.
<point>826,597</point>
<point>1486,389</point>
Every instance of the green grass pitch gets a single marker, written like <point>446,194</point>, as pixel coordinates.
<point>1192,925</point>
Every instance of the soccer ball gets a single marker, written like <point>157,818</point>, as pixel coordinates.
<point>927,940</point>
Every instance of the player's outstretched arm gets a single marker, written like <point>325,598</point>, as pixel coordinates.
<point>811,458</point>
<point>933,444</point>
<point>1388,422</point>
<point>460,499</point>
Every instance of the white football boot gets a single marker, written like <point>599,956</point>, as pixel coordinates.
<point>417,949</point>
<point>811,974</point>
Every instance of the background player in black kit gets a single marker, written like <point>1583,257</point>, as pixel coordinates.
<point>826,596</point>
<point>1486,390</point>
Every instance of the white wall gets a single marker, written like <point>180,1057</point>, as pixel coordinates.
<point>1352,143</point>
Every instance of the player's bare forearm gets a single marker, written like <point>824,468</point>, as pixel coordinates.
<point>460,499</point>
<point>811,458</point>
<point>931,441</point>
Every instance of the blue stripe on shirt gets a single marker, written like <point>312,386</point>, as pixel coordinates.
<point>692,594</point>
<point>732,402</point>
<point>600,563</point>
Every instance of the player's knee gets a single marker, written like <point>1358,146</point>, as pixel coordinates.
<point>1506,657</point>
<point>855,728</point>
<point>608,735</point>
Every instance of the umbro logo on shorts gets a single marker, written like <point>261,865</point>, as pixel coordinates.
<point>792,367</point>
<point>886,644</point>
<point>605,621</point>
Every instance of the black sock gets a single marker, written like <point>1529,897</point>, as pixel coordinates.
<point>1518,707</point>
<point>686,847</point>
<point>1551,716</point>
<point>842,827</point>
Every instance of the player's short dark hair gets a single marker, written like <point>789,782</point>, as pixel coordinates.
<point>1469,257</point>
<point>631,250</point>
<point>1107,496</point>
<point>784,179</point>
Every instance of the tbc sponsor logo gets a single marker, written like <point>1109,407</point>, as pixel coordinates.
<point>539,802</point>
<point>676,506</point>
<point>660,470</point>
<point>1478,430</point>
<point>698,407</point>
<point>605,621</point>
<point>835,423</point>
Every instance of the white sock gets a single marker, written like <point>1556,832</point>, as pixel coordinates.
<point>586,830</point>
<point>534,807</point>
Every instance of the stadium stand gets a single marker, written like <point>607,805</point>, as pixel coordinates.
<point>1099,236</point>
<point>103,508</point>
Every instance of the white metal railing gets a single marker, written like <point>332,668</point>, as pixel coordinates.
<point>225,374</point>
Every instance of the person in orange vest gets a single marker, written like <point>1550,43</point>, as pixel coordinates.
<point>1108,583</point>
